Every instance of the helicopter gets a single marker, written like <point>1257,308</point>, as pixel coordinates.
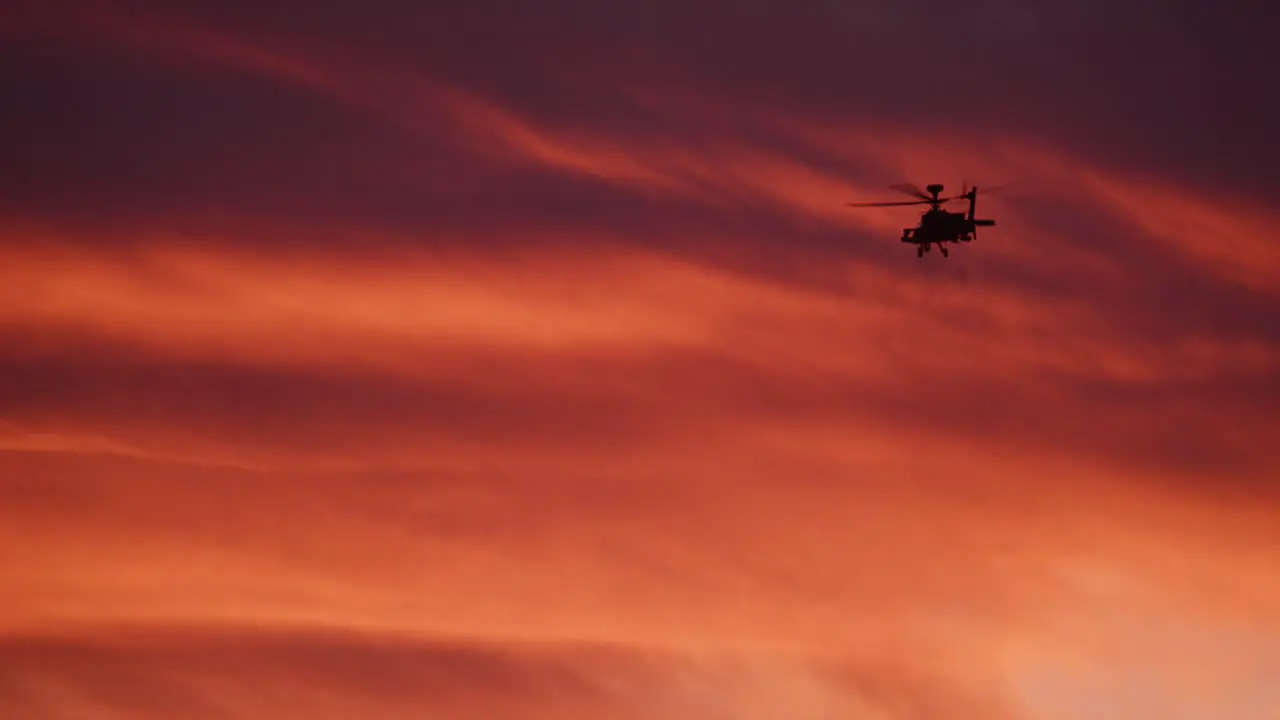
<point>937,226</point>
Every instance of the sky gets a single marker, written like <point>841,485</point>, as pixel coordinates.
<point>523,360</point>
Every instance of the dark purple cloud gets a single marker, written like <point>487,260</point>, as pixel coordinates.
<point>1175,91</point>
<point>623,400</point>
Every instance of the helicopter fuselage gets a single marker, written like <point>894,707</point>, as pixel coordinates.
<point>938,226</point>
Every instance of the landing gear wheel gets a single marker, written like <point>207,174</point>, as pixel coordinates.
<point>944,251</point>
<point>920,252</point>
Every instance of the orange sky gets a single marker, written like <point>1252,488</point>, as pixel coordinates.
<point>344,377</point>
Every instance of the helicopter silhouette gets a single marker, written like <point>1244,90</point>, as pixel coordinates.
<point>937,226</point>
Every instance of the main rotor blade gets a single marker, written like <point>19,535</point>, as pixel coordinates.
<point>910,189</point>
<point>889,204</point>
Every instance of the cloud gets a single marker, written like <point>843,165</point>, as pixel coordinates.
<point>534,354</point>
<point>248,674</point>
<point>689,166</point>
<point>842,59</point>
<point>419,85</point>
<point>473,349</point>
<point>886,591</point>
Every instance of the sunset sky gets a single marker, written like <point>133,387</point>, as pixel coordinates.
<point>474,359</point>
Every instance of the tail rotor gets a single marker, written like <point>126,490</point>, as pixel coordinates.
<point>971,194</point>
